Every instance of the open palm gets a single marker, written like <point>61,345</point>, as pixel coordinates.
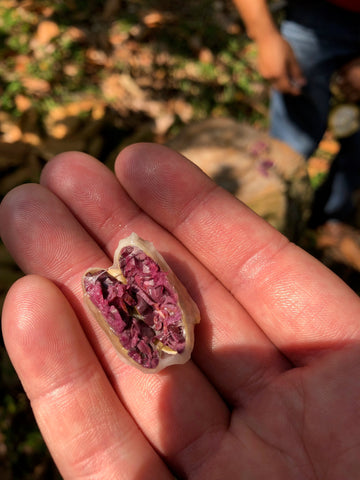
<point>272,390</point>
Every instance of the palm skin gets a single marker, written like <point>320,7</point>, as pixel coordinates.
<point>272,390</point>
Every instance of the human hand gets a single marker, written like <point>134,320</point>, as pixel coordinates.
<point>272,390</point>
<point>278,64</point>
<point>348,80</point>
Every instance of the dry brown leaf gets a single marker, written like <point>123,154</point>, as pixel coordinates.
<point>36,86</point>
<point>155,18</point>
<point>46,31</point>
<point>22,103</point>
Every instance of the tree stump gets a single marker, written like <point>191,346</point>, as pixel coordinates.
<point>262,172</point>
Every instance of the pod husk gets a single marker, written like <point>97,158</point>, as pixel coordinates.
<point>189,309</point>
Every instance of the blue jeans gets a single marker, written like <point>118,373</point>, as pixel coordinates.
<point>324,38</point>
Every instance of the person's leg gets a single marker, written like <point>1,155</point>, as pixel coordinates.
<point>321,48</point>
<point>301,121</point>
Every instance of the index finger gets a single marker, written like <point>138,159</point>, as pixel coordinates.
<point>300,305</point>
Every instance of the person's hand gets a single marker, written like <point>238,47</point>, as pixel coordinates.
<point>348,80</point>
<point>277,64</point>
<point>272,390</point>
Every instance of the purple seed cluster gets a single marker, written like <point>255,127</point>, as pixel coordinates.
<point>143,312</point>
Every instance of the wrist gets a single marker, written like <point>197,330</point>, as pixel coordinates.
<point>263,32</point>
<point>256,17</point>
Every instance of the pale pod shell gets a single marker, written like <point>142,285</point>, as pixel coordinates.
<point>189,311</point>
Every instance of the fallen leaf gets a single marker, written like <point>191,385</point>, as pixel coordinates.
<point>46,31</point>
<point>36,86</point>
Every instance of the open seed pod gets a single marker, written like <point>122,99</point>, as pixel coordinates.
<point>142,306</point>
